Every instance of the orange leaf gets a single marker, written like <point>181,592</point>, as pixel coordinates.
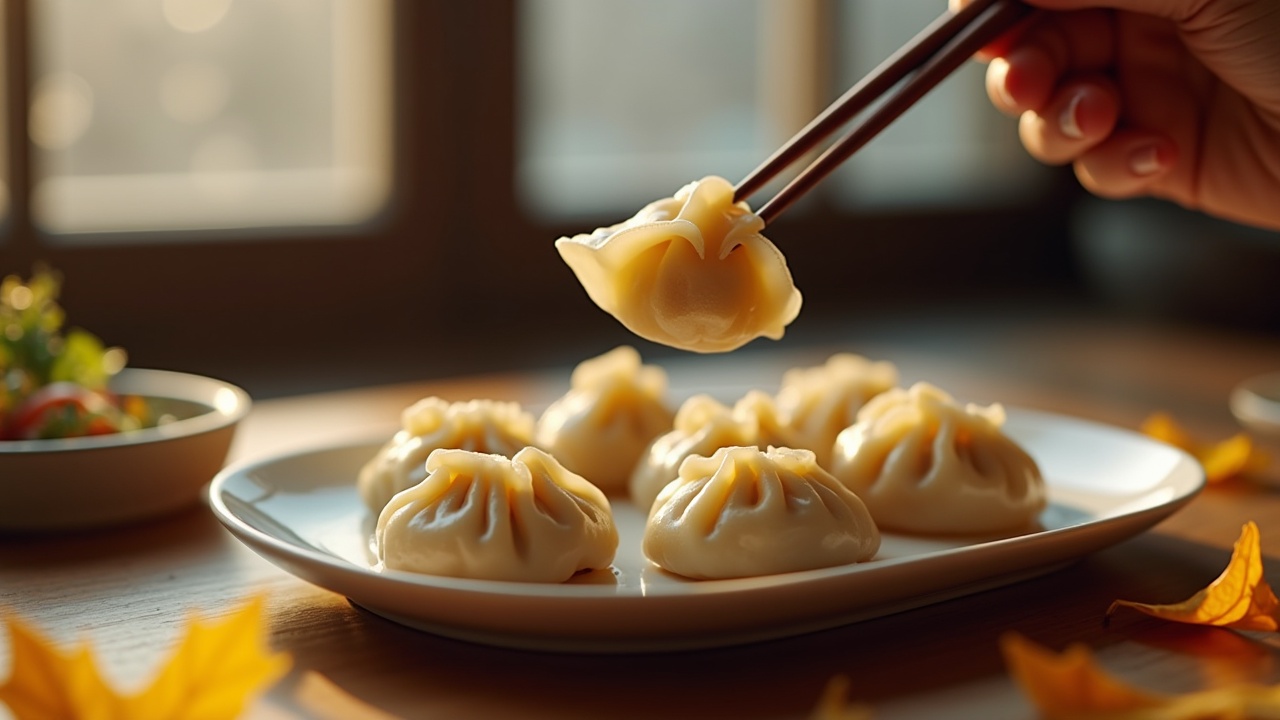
<point>216,670</point>
<point>1072,686</point>
<point>48,683</point>
<point>1240,597</point>
<point>1234,456</point>
<point>1068,684</point>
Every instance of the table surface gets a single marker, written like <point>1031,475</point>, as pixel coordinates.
<point>129,590</point>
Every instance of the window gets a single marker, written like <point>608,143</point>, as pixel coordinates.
<point>203,114</point>
<point>610,117</point>
<point>931,155</point>
<point>294,194</point>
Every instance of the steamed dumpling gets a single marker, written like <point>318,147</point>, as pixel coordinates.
<point>523,519</point>
<point>922,463</point>
<point>743,512</point>
<point>484,426</point>
<point>818,402</point>
<point>613,410</point>
<point>702,426</point>
<point>758,411</point>
<point>691,271</point>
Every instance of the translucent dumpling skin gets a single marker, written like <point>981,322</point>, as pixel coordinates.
<point>925,464</point>
<point>743,513</point>
<point>819,402</point>
<point>604,424</point>
<point>702,426</point>
<point>523,519</point>
<point>691,271</point>
<point>484,426</point>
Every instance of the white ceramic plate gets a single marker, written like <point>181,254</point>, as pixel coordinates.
<point>301,511</point>
<point>84,482</point>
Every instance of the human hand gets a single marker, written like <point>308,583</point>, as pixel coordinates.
<point>1178,99</point>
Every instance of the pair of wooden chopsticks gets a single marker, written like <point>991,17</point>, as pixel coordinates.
<point>924,61</point>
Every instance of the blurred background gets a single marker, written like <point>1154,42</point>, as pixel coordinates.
<point>306,194</point>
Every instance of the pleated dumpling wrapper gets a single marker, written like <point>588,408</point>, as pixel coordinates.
<point>758,410</point>
<point>486,426</point>
<point>702,426</point>
<point>691,271</point>
<point>925,464</point>
<point>818,402</point>
<point>744,512</point>
<point>522,519</point>
<point>614,408</point>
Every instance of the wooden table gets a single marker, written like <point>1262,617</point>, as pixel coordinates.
<point>128,590</point>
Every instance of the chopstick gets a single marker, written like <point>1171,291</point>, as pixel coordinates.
<point>933,54</point>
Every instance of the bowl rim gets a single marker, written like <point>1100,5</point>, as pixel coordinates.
<point>1256,403</point>
<point>227,405</point>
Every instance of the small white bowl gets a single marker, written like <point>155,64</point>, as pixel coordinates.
<point>86,482</point>
<point>1256,404</point>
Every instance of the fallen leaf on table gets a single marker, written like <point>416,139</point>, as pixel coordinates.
<point>1071,686</point>
<point>834,703</point>
<point>1231,457</point>
<point>48,683</point>
<point>216,670</point>
<point>1240,598</point>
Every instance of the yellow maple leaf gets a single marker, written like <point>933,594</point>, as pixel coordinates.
<point>1239,598</point>
<point>48,683</point>
<point>1071,686</point>
<point>1223,460</point>
<point>216,669</point>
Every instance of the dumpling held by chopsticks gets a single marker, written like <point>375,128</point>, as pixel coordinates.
<point>691,271</point>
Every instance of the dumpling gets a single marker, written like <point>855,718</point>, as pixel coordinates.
<point>690,271</point>
<point>702,426</point>
<point>818,402</point>
<point>481,425</point>
<point>523,519</point>
<point>758,411</point>
<point>613,410</point>
<point>743,512</point>
<point>924,464</point>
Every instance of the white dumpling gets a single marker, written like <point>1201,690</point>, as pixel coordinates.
<point>523,519</point>
<point>484,426</point>
<point>758,411</point>
<point>602,426</point>
<point>691,271</point>
<point>743,512</point>
<point>702,426</point>
<point>818,402</point>
<point>924,464</point>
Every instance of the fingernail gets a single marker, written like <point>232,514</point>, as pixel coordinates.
<point>1068,123</point>
<point>1145,161</point>
<point>999,76</point>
